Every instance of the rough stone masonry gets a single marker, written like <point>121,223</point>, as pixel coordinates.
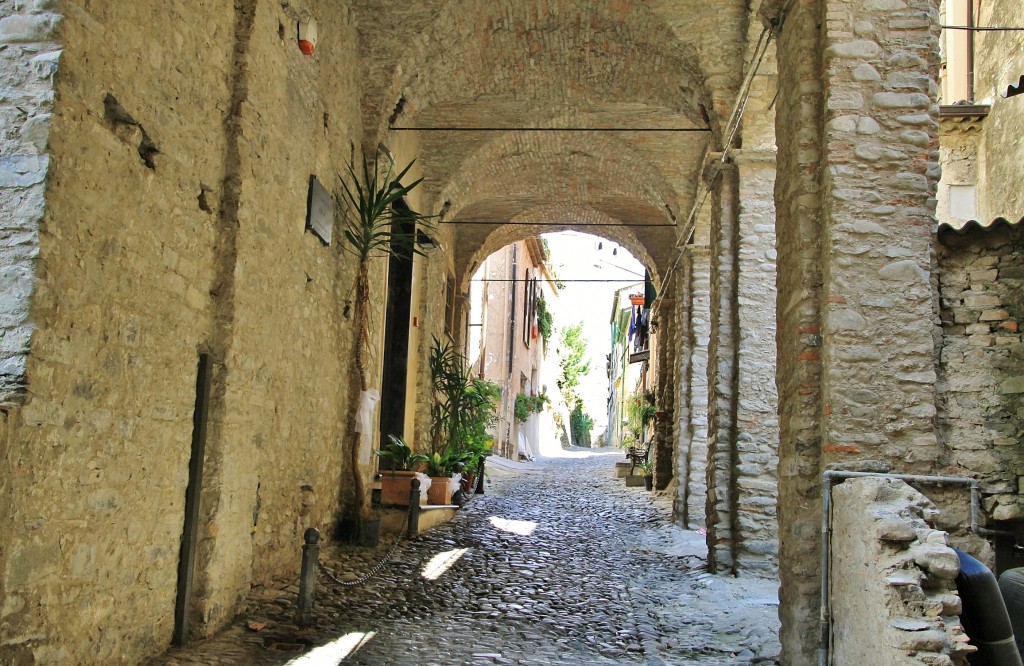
<point>155,163</point>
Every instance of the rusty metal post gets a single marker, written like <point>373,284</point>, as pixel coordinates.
<point>414,507</point>
<point>305,617</point>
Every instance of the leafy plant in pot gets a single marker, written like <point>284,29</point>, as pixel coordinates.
<point>464,408</point>
<point>398,466</point>
<point>529,404</point>
<point>646,468</point>
<point>440,468</point>
<point>369,234</point>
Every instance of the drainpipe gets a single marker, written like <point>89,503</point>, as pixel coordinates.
<point>831,477</point>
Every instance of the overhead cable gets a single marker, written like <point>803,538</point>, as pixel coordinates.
<point>975,28</point>
<point>731,128</point>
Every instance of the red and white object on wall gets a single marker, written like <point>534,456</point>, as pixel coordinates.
<point>307,36</point>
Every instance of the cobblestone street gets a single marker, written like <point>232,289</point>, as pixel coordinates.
<point>558,563</point>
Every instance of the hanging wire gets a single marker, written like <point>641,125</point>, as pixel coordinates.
<point>731,128</point>
<point>981,29</point>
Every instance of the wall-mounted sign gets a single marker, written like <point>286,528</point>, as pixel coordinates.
<point>320,211</point>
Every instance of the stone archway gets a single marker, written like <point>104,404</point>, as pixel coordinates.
<point>535,166</point>
<point>550,219</point>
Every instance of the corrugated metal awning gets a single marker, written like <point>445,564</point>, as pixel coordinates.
<point>946,229</point>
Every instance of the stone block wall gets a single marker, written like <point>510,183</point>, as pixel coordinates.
<point>981,360</point>
<point>892,599</point>
<point>999,62</point>
<point>180,153</point>
<point>29,58</point>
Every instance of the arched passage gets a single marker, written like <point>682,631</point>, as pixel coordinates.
<point>506,61</point>
<point>223,253</point>
<point>549,219</point>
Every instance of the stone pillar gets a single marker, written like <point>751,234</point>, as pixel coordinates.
<point>856,173</point>
<point>682,427</point>
<point>694,325</point>
<point>664,439</point>
<point>723,521</point>
<point>757,422</point>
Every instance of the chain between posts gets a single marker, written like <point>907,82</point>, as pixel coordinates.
<point>413,510</point>
<point>368,575</point>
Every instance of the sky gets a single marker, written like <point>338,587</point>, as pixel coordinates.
<point>575,256</point>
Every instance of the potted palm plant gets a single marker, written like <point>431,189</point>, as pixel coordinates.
<point>369,234</point>
<point>464,408</point>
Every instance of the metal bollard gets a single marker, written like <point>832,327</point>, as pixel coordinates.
<point>304,617</point>
<point>480,477</point>
<point>414,507</point>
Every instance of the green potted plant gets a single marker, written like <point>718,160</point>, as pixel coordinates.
<point>397,464</point>
<point>440,467</point>
<point>526,404</point>
<point>521,409</point>
<point>464,407</point>
<point>646,468</point>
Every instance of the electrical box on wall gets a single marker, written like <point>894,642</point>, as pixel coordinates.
<point>320,211</point>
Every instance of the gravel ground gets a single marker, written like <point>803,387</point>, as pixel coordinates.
<point>558,563</point>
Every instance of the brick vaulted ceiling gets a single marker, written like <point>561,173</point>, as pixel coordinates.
<point>516,64</point>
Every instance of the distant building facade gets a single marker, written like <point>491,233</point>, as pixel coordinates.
<point>504,340</point>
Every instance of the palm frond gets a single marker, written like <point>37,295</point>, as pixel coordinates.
<point>371,212</point>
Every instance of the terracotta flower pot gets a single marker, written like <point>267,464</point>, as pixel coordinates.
<point>395,487</point>
<point>440,490</point>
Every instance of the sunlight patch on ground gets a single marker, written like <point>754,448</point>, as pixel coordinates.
<point>520,527</point>
<point>332,653</point>
<point>442,562</point>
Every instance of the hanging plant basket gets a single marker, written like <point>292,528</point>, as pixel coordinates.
<point>636,299</point>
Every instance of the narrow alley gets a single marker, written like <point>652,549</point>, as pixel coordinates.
<point>557,563</point>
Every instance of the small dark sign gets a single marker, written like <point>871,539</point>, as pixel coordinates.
<point>320,211</point>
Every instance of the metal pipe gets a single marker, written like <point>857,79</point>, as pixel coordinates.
<point>831,476</point>
<point>574,225</point>
<point>547,129</point>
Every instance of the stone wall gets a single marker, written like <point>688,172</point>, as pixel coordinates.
<point>180,156</point>
<point>28,63</point>
<point>694,329</point>
<point>722,516</point>
<point>757,438</point>
<point>857,169</point>
<point>892,599</point>
<point>999,62</point>
<point>981,362</point>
